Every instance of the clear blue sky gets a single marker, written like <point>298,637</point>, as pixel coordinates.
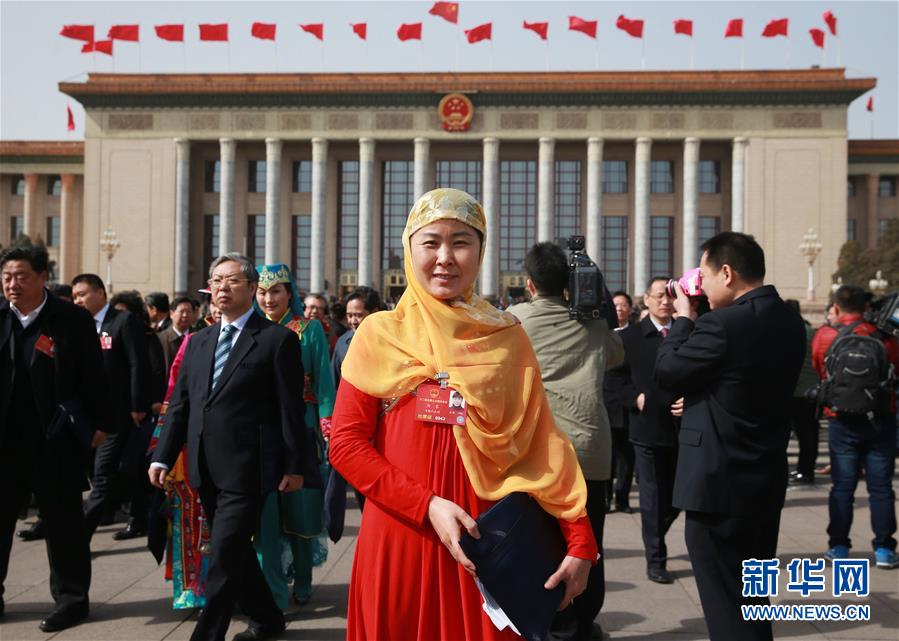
<point>34,58</point>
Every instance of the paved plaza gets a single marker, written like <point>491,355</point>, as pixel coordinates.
<point>131,601</point>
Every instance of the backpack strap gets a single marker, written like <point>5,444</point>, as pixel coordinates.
<point>845,329</point>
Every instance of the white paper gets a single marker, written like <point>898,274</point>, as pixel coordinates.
<point>496,614</point>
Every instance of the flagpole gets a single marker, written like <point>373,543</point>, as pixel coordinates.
<point>742,53</point>
<point>597,53</point>
<point>458,38</point>
<point>140,66</point>
<point>643,53</point>
<point>839,53</point>
<point>546,53</point>
<point>788,53</point>
<point>184,55</point>
<point>692,64</point>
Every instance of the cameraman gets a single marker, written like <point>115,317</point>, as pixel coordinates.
<point>573,357</point>
<point>737,367</point>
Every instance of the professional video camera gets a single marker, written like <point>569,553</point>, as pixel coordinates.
<point>883,313</point>
<point>587,294</point>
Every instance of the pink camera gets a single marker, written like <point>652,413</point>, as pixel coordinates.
<point>690,283</point>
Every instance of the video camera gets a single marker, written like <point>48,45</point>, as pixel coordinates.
<point>883,313</point>
<point>587,295</point>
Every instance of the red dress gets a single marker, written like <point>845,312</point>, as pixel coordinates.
<point>405,583</point>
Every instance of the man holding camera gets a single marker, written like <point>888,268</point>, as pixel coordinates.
<point>737,367</point>
<point>573,357</point>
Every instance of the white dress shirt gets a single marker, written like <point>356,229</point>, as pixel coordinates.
<point>659,326</point>
<point>99,316</point>
<point>27,319</point>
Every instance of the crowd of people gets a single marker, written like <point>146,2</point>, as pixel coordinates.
<point>231,425</point>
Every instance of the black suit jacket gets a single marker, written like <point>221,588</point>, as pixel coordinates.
<point>127,364</point>
<point>654,425</point>
<point>613,384</point>
<point>737,368</point>
<point>251,427</point>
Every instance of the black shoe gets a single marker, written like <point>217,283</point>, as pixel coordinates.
<point>659,575</point>
<point>801,479</point>
<point>62,619</point>
<point>624,509</point>
<point>2,607</point>
<point>301,600</point>
<point>597,633</point>
<point>131,531</point>
<point>260,632</point>
<point>34,533</point>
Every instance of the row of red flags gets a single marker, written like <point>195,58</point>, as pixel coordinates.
<point>413,31</point>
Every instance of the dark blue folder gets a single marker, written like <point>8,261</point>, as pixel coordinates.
<point>520,547</point>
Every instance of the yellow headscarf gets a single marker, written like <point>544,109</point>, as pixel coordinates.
<point>510,442</point>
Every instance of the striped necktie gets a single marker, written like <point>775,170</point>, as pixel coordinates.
<point>222,350</point>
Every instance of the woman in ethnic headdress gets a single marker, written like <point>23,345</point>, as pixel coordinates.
<point>425,481</point>
<point>293,522</point>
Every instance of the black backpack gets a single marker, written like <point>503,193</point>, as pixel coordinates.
<point>858,373</point>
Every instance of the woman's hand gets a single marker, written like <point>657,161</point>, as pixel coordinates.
<point>573,572</point>
<point>448,520</point>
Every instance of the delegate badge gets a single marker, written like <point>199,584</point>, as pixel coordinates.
<point>440,405</point>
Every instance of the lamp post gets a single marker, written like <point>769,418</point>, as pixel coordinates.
<point>877,284</point>
<point>810,248</point>
<point>109,243</point>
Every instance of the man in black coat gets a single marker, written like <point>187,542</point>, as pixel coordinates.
<point>614,383</point>
<point>123,343</point>
<point>238,405</point>
<point>736,366</point>
<point>49,354</point>
<point>653,431</point>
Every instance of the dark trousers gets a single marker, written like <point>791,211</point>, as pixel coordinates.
<point>622,466</point>
<point>133,471</point>
<point>718,544</point>
<point>235,576</point>
<point>656,467</point>
<point>576,621</point>
<point>805,424</point>
<point>105,482</point>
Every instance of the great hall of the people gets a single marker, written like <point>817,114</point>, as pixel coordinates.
<point>320,170</point>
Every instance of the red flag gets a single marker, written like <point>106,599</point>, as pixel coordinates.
<point>449,11</point>
<point>587,27</point>
<point>129,32</point>
<point>70,126</point>
<point>831,21</point>
<point>317,30</point>
<point>103,46</point>
<point>170,32</point>
<point>410,31</point>
<point>360,29</point>
<point>817,37</point>
<point>870,106</point>
<point>78,32</point>
<point>540,28</point>
<point>481,32</point>
<point>734,28</point>
<point>263,30</point>
<point>684,26</point>
<point>214,32</point>
<point>776,28</point>
<point>632,27</point>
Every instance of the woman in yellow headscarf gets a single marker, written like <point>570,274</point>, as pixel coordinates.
<point>425,480</point>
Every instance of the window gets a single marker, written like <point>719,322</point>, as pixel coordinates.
<point>887,186</point>
<point>210,240</point>
<point>212,176</point>
<point>708,226</point>
<point>18,185</point>
<point>568,199</point>
<point>302,251</point>
<point>613,257</point>
<point>661,246</point>
<point>348,221</point>
<point>850,187</point>
<point>256,177</point>
<point>517,212</point>
<point>882,226</point>
<point>614,176</point>
<point>53,231</point>
<point>256,238</point>
<point>460,174</point>
<point>302,177</point>
<point>850,229</point>
<point>661,177</point>
<point>54,185</point>
<point>398,195</point>
<point>16,227</point>
<point>709,177</point>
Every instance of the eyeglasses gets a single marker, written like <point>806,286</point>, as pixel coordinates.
<point>660,296</point>
<point>230,281</point>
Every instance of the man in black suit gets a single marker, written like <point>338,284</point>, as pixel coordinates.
<point>158,310</point>
<point>736,366</point>
<point>49,354</point>
<point>653,431</point>
<point>238,405</point>
<point>123,343</point>
<point>614,382</point>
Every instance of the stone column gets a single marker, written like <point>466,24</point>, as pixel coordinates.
<point>272,200</point>
<point>182,216</point>
<point>227,150</point>
<point>66,211</point>
<point>546,190</point>
<point>738,186</point>
<point>641,213</point>
<point>365,273</point>
<point>594,198</point>
<point>29,211</point>
<point>422,176</point>
<point>319,186</point>
<point>490,278</point>
<point>690,249</point>
<point>872,194</point>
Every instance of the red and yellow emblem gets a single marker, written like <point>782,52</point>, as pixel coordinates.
<point>456,112</point>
